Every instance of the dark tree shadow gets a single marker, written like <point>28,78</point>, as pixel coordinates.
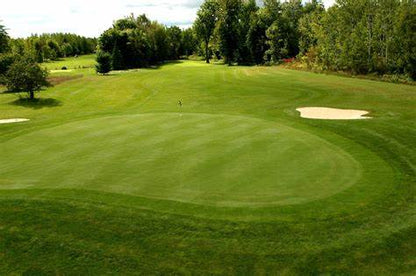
<point>37,103</point>
<point>156,66</point>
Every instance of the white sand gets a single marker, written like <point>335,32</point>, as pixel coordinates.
<point>325,113</point>
<point>15,120</point>
<point>124,71</point>
<point>60,71</point>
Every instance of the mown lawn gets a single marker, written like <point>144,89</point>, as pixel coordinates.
<point>112,175</point>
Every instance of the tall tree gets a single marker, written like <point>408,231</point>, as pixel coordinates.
<point>229,31</point>
<point>292,12</point>
<point>4,40</point>
<point>174,36</point>
<point>406,37</point>
<point>276,37</point>
<point>249,9</point>
<point>256,36</point>
<point>189,42</point>
<point>308,23</point>
<point>205,23</point>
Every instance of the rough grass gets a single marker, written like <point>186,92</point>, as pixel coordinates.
<point>117,178</point>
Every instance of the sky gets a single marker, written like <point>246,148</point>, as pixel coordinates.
<point>91,17</point>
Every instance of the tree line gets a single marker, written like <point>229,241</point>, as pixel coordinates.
<point>20,58</point>
<point>47,46</point>
<point>135,42</point>
<point>359,36</point>
<point>41,48</point>
<point>53,46</point>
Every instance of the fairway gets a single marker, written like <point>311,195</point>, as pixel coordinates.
<point>110,171</point>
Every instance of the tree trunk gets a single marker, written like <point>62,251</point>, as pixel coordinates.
<point>32,95</point>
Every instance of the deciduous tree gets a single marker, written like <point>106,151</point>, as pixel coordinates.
<point>25,75</point>
<point>205,23</point>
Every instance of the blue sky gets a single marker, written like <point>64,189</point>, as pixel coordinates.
<point>91,17</point>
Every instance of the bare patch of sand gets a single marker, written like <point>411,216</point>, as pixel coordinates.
<point>60,71</point>
<point>124,71</point>
<point>11,121</point>
<point>326,113</point>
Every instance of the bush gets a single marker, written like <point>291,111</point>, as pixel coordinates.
<point>103,62</point>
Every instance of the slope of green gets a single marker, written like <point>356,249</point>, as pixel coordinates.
<point>111,175</point>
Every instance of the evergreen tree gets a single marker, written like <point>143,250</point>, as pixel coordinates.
<point>103,62</point>
<point>256,37</point>
<point>4,40</point>
<point>116,58</point>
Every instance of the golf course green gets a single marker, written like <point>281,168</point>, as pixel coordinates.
<point>194,168</point>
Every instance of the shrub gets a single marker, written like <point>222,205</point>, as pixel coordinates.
<point>103,62</point>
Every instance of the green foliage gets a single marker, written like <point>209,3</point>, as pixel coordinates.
<point>256,37</point>
<point>205,23</point>
<point>405,27</point>
<point>116,58</point>
<point>277,42</point>
<point>249,9</point>
<point>138,42</point>
<point>4,40</point>
<point>282,33</point>
<point>47,47</point>
<point>25,75</point>
<point>6,60</point>
<point>174,38</point>
<point>229,30</point>
<point>292,11</point>
<point>189,42</point>
<point>364,36</point>
<point>104,61</point>
<point>357,36</point>
<point>308,25</point>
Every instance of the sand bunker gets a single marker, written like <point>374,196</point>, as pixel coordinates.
<point>11,121</point>
<point>325,113</point>
<point>60,71</point>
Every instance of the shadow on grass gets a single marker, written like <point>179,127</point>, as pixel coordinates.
<point>37,103</point>
<point>150,67</point>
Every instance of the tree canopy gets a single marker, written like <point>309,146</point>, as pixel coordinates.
<point>138,42</point>
<point>205,24</point>
<point>4,39</point>
<point>53,46</point>
<point>363,36</point>
<point>25,75</point>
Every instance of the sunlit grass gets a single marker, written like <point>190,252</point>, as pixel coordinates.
<point>112,175</point>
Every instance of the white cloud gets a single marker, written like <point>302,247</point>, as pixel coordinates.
<point>90,17</point>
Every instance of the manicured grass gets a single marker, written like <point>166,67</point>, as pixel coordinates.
<point>111,175</point>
